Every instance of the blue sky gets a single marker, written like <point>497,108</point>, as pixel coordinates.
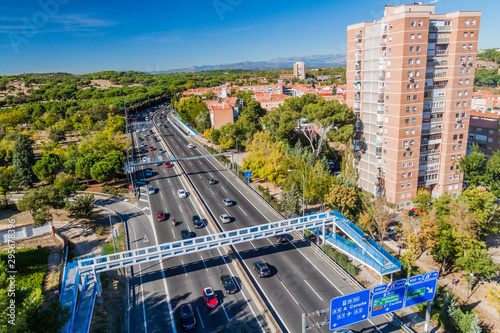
<point>87,36</point>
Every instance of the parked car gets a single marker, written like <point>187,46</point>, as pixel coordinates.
<point>228,284</point>
<point>160,215</point>
<point>187,316</point>
<point>261,268</point>
<point>181,193</point>
<point>151,189</point>
<point>391,231</point>
<point>416,211</point>
<point>143,144</point>
<point>198,223</point>
<point>227,202</point>
<point>211,181</point>
<point>210,298</point>
<point>224,218</point>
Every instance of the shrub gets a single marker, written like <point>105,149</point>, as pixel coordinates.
<point>341,259</point>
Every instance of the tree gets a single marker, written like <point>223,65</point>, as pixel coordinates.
<point>381,217</point>
<point>117,161</point>
<point>6,176</point>
<point>102,171</point>
<point>348,170</point>
<point>445,250</point>
<point>343,198</point>
<point>67,184</point>
<point>429,228</point>
<point>209,95</point>
<point>291,201</point>
<point>474,167</point>
<point>481,204</point>
<point>463,222</point>
<point>82,206</point>
<point>38,202</point>
<point>216,136</point>
<point>23,161</point>
<point>412,246</point>
<point>48,167</point>
<point>57,134</point>
<point>423,199</point>
<point>493,296</point>
<point>51,318</point>
<point>84,164</point>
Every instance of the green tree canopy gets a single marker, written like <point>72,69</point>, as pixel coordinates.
<point>84,164</point>
<point>102,171</point>
<point>38,202</point>
<point>474,167</point>
<point>48,167</point>
<point>23,161</point>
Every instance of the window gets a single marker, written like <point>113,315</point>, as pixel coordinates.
<point>450,187</point>
<point>461,136</point>
<point>385,151</point>
<point>470,46</point>
<point>404,165</point>
<point>467,70</point>
<point>410,61</point>
<point>464,46</point>
<point>415,97</point>
<point>403,175</point>
<point>415,85</point>
<point>450,178</point>
<point>451,168</point>
<point>411,154</point>
<point>411,48</point>
<point>456,177</point>
<point>410,174</point>
<point>388,86</point>
<point>408,98</point>
<point>408,86</point>
<point>466,22</point>
<point>461,70</point>
<point>412,131</point>
<point>463,114</point>
<point>472,22</point>
<point>412,36</point>
<point>454,147</point>
<point>417,73</point>
<point>410,74</point>
<point>414,120</point>
<point>388,74</point>
<point>402,196</point>
<point>456,126</point>
<point>390,26</point>
<point>403,185</point>
<point>412,142</point>
<point>407,109</point>
<point>418,48</point>
<point>413,23</point>
<point>386,109</point>
<point>407,121</point>
<point>467,81</point>
<point>389,51</point>
<point>385,162</point>
<point>404,155</point>
<point>469,59</point>
<point>386,97</point>
<point>458,104</point>
<point>419,36</point>
<point>386,119</point>
<point>460,81</point>
<point>454,138</point>
<point>408,195</point>
<point>420,23</point>
<point>417,61</point>
<point>462,59</point>
<point>464,103</point>
<point>407,132</point>
<point>465,35</point>
<point>471,35</point>
<point>414,108</point>
<point>385,130</point>
<point>408,185</point>
<point>455,186</point>
<point>390,39</point>
<point>466,93</point>
<point>459,93</point>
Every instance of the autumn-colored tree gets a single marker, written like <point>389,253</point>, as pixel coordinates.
<point>423,199</point>
<point>463,222</point>
<point>343,198</point>
<point>380,216</point>
<point>493,296</point>
<point>348,170</point>
<point>412,243</point>
<point>429,230</point>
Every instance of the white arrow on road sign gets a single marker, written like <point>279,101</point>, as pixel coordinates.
<point>430,290</point>
<point>145,239</point>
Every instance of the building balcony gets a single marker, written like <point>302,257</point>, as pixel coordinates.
<point>384,31</point>
<point>380,101</point>
<point>378,165</point>
<point>381,89</point>
<point>440,28</point>
<point>436,86</point>
<point>357,67</point>
<point>430,152</point>
<point>359,35</point>
<point>442,52</point>
<point>383,43</point>
<point>357,77</point>
<point>380,123</point>
<point>358,56</point>
<point>359,45</point>
<point>378,144</point>
<point>427,182</point>
<point>357,98</point>
<point>435,160</point>
<point>439,40</point>
<point>436,130</point>
<point>380,111</point>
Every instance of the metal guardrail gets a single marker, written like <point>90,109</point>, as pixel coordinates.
<point>103,194</point>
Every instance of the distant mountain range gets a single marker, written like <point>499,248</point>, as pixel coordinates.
<point>311,61</point>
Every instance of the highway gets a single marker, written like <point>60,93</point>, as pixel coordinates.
<point>301,282</point>
<point>160,288</point>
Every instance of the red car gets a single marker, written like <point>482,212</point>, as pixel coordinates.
<point>151,148</point>
<point>160,216</point>
<point>210,298</point>
<point>417,211</point>
<point>168,165</point>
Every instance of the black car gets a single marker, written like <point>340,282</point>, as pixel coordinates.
<point>211,181</point>
<point>281,239</point>
<point>198,223</point>
<point>187,316</point>
<point>185,234</point>
<point>262,268</point>
<point>228,284</point>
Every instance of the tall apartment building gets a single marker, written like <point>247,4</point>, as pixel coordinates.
<point>409,81</point>
<point>299,70</point>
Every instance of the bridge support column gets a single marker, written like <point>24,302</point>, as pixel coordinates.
<point>97,277</point>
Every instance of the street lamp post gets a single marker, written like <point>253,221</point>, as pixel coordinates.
<point>303,191</point>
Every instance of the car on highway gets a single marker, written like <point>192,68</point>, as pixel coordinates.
<point>151,189</point>
<point>261,268</point>
<point>197,222</point>
<point>151,148</point>
<point>160,150</point>
<point>281,239</point>
<point>210,298</point>
<point>228,284</point>
<point>149,173</point>
<point>137,130</point>
<point>187,316</point>
<point>143,145</point>
<point>146,134</point>
<point>181,193</point>
<point>168,165</point>
<point>211,181</point>
<point>141,139</point>
<point>190,145</point>
<point>227,202</point>
<point>224,218</point>
<point>160,215</point>
<point>185,234</point>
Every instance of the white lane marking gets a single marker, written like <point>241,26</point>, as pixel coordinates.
<point>271,242</point>
<point>321,299</point>
<point>141,288</point>
<point>173,232</point>
<point>251,243</point>
<point>168,179</point>
<point>189,228</point>
<point>190,163</point>
<point>200,162</point>
<point>223,308</point>
<point>201,321</point>
<point>242,210</point>
<point>211,191</point>
<point>185,272</point>
<point>203,261</point>
<point>289,293</point>
<point>180,208</point>
<point>143,200</point>
<point>222,187</point>
<point>161,194</point>
<point>144,208</point>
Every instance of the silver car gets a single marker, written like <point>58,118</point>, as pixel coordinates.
<point>225,218</point>
<point>151,189</point>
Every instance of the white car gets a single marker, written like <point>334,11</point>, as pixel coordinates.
<point>137,130</point>
<point>181,193</point>
<point>224,218</point>
<point>190,145</point>
<point>151,189</point>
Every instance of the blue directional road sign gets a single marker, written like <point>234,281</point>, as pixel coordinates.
<point>388,298</point>
<point>248,174</point>
<point>349,309</point>
<point>421,288</point>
